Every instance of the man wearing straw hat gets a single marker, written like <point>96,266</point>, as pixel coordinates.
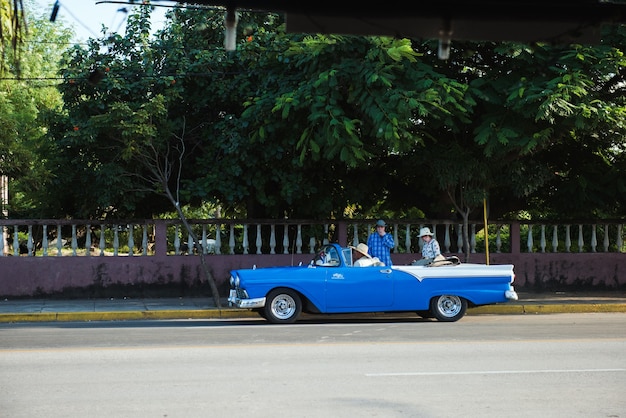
<point>360,257</point>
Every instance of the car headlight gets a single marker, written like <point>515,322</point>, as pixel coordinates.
<point>234,281</point>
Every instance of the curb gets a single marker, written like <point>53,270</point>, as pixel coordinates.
<point>517,309</point>
<point>126,315</point>
<point>521,309</point>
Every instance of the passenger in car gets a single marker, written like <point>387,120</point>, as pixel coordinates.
<point>361,258</point>
<point>430,250</point>
<point>327,257</point>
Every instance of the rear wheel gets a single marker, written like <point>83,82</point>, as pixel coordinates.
<point>448,308</point>
<point>282,306</point>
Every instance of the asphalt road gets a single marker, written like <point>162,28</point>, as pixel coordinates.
<point>483,366</point>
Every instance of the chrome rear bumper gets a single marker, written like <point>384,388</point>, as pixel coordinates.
<point>511,294</point>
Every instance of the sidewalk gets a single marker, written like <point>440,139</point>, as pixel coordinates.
<point>51,310</point>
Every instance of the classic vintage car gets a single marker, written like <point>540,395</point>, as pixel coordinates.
<point>331,284</point>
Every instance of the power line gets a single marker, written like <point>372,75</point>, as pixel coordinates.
<point>156,77</point>
<point>171,6</point>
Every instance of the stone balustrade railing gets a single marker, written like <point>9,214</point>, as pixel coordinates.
<point>224,236</point>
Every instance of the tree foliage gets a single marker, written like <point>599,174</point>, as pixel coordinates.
<point>13,29</point>
<point>312,126</point>
<point>27,99</point>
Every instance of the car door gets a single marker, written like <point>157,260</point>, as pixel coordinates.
<point>359,289</point>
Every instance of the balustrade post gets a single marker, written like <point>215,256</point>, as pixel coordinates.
<point>259,241</point>
<point>218,239</point>
<point>529,239</point>
<point>29,242</point>
<point>144,240</point>
<point>568,239</point>
<point>190,244</point>
<point>473,240</point>
<point>74,241</point>
<point>204,241</point>
<point>131,240</point>
<point>407,238</point>
<point>44,241</point>
<point>16,242</point>
<point>594,239</point>
<point>355,235</point>
<point>555,239</point>
<point>59,241</point>
<point>619,241</point>
<point>580,239</point>
<point>88,240</point>
<point>459,239</point>
<point>542,241</point>
<point>286,239</point>
<point>606,238</point>
<point>272,239</point>
<point>246,244</point>
<point>231,239</point>
<point>116,240</point>
<point>299,240</point>
<point>102,241</point>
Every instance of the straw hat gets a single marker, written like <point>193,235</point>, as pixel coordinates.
<point>425,231</point>
<point>440,260</point>
<point>362,248</point>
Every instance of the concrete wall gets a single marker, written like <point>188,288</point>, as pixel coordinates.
<point>182,275</point>
<point>171,276</point>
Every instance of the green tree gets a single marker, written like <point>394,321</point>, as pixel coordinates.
<point>113,99</point>
<point>12,31</point>
<point>26,100</point>
<point>332,110</point>
<point>307,126</point>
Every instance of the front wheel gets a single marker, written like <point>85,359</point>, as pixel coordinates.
<point>448,308</point>
<point>282,306</point>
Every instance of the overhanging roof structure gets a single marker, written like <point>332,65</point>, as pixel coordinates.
<point>558,21</point>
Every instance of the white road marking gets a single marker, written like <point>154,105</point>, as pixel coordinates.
<point>494,372</point>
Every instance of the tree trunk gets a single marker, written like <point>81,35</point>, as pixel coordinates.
<point>199,249</point>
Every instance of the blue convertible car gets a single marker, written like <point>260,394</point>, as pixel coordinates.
<point>331,284</point>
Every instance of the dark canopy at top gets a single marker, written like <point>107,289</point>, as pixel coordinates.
<point>559,21</point>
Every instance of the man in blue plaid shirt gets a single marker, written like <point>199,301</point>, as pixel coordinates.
<point>380,243</point>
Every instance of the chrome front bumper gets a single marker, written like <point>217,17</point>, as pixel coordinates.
<point>237,302</point>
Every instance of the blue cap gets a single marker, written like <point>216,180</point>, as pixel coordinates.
<point>380,222</point>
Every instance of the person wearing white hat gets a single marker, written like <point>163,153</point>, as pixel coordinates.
<point>360,257</point>
<point>431,248</point>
